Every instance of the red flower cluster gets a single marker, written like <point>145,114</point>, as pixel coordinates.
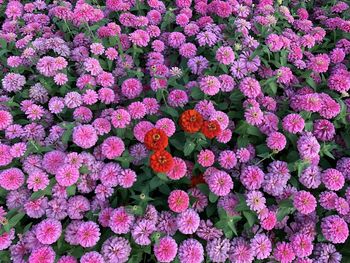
<point>191,121</point>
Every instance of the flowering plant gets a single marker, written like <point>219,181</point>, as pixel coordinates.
<point>174,131</point>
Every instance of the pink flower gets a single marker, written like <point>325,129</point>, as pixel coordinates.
<point>206,158</point>
<point>43,254</point>
<point>11,178</point>
<point>333,179</point>
<point>121,221</point>
<point>293,123</point>
<point>252,177</point>
<point>141,129</point>
<point>106,95</point>
<point>85,136</point>
<point>319,63</point>
<point>188,221</point>
<point>225,55</point>
<point>176,39</point>
<point>92,257</point>
<point>276,141</point>
<point>152,105</point>
<point>102,126</point>
<point>167,125</point>
<point>111,53</point>
<point>48,231</point>
<point>38,180</point>
<point>67,175</point>
<point>5,119</point>
<point>256,201</point>
<point>210,85</point>
<point>178,201</point>
<point>179,169</point>
<point>93,66</point>
<point>5,155</point>
<point>140,38</point>
<point>53,160</point>
<point>165,250</point>
<point>137,110</point>
<point>335,229</point>
<point>268,219</point>
<point>274,42</point>
<point>88,234</point>
<point>60,79</point>
<point>302,245</point>
<point>284,75</point>
<point>227,83</point>
<point>220,183</point>
<point>18,149</point>
<point>6,239</point>
<point>97,48</point>
<point>191,250</point>
<point>120,118</point>
<point>284,253</point>
<point>225,136</point>
<point>254,116</point>
<point>261,245</point>
<point>188,50</point>
<point>131,88</point>
<point>127,178</point>
<point>112,147</point>
<point>250,87</point>
<point>324,130</point>
<point>227,159</point>
<point>304,202</point>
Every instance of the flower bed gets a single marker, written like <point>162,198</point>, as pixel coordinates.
<point>174,131</point>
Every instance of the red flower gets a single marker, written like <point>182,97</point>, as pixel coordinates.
<point>161,161</point>
<point>211,129</point>
<point>191,121</point>
<point>156,139</point>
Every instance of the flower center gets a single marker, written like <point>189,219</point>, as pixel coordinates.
<point>162,159</point>
<point>212,127</point>
<point>156,137</point>
<point>193,118</point>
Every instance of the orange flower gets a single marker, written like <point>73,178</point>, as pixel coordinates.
<point>211,129</point>
<point>161,161</point>
<point>191,121</point>
<point>156,139</point>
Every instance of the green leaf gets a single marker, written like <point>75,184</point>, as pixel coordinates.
<point>84,170</point>
<point>232,223</point>
<point>285,207</point>
<point>163,177</point>
<point>301,165</point>
<point>224,68</point>
<point>242,204</point>
<point>67,134</point>
<point>170,111</point>
<point>196,93</point>
<point>13,221</point>
<point>283,58</point>
<point>189,147</point>
<point>71,190</point>
<point>213,197</point>
<point>251,217</point>
<point>203,188</point>
<point>310,81</point>
<point>242,141</point>
<point>155,182</point>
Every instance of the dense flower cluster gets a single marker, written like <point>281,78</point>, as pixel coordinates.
<point>181,131</point>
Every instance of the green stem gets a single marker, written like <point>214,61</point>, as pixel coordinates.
<point>267,157</point>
